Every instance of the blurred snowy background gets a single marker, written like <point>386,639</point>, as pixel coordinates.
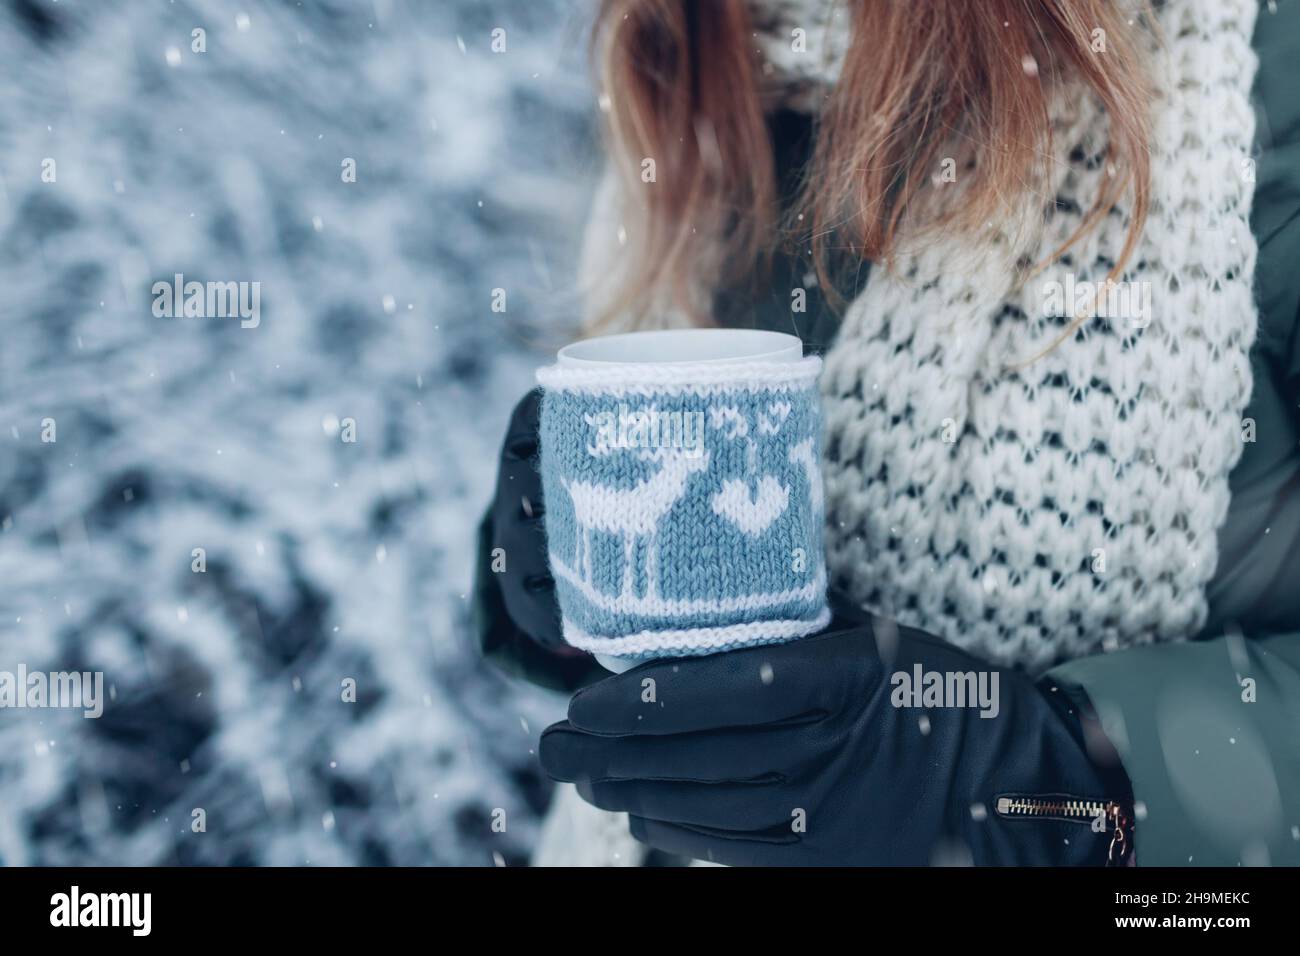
<point>325,560</point>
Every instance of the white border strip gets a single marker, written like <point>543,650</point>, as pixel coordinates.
<point>696,638</point>
<point>655,607</point>
<point>698,378</point>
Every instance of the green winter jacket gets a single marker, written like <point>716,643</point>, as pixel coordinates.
<point>1208,729</point>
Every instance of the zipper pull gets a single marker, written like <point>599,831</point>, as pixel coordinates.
<point>1121,843</point>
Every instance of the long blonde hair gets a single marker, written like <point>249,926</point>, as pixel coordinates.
<point>922,80</point>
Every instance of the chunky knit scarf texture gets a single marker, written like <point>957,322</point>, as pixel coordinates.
<point>1036,511</point>
<point>684,505</point>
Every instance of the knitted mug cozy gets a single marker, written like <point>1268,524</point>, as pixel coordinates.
<point>684,505</point>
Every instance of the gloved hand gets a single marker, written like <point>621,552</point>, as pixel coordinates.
<point>797,754</point>
<point>515,612</point>
<point>527,588</point>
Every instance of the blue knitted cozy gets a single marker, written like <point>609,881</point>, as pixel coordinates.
<point>684,505</point>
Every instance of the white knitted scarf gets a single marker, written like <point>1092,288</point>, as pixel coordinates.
<point>1034,512</point>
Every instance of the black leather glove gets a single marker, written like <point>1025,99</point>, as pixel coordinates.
<point>527,588</point>
<point>516,614</point>
<point>799,754</point>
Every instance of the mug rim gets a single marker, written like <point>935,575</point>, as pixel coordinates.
<point>767,346</point>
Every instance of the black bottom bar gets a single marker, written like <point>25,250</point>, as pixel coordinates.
<point>438,906</point>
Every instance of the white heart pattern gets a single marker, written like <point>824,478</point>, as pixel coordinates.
<point>752,515</point>
<point>778,412</point>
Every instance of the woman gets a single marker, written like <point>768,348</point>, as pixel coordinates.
<point>1047,249</point>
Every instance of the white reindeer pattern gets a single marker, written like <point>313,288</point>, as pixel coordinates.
<point>632,513</point>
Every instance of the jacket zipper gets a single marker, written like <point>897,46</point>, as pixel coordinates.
<point>1118,822</point>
